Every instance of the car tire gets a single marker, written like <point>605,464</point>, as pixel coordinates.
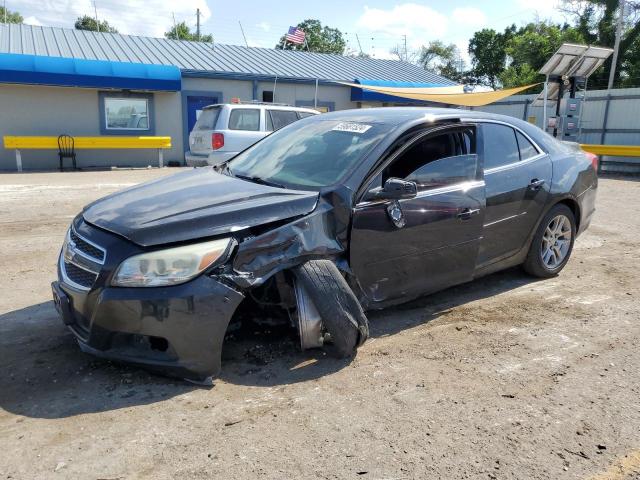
<point>546,258</point>
<point>341,313</point>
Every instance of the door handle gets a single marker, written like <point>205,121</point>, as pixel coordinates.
<point>536,184</point>
<point>466,213</point>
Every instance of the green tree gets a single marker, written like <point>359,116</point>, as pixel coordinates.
<point>596,21</point>
<point>519,75</point>
<point>443,59</point>
<point>436,54</point>
<point>512,58</point>
<point>629,67</point>
<point>7,16</point>
<point>89,23</point>
<point>319,38</point>
<point>530,47</point>
<point>182,32</point>
<point>535,43</point>
<point>487,49</point>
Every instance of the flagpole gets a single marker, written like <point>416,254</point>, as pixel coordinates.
<point>315,97</point>
<point>275,84</point>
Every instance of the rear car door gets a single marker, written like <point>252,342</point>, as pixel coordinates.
<point>435,242</point>
<point>517,175</point>
<point>243,129</point>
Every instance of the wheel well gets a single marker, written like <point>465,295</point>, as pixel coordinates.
<point>267,304</point>
<point>574,207</point>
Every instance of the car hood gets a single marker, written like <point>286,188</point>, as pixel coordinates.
<point>194,204</point>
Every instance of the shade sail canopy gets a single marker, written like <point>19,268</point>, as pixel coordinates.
<point>451,95</point>
<point>73,72</point>
<point>361,94</point>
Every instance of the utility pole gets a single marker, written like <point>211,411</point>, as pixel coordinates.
<point>406,54</point>
<point>198,24</point>
<point>616,47</point>
<point>243,35</point>
<point>359,46</point>
<point>175,27</point>
<point>95,10</point>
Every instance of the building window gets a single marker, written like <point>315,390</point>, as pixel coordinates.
<point>267,96</point>
<point>123,113</point>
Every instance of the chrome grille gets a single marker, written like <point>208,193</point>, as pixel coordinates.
<point>81,261</point>
<point>86,247</point>
<point>79,275</point>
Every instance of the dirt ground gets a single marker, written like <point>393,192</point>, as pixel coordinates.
<point>502,378</point>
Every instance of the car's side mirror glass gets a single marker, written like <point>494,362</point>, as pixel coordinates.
<point>396,189</point>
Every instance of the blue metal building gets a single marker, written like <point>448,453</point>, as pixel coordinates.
<point>55,80</point>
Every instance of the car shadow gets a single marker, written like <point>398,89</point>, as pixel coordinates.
<point>45,375</point>
<point>274,359</point>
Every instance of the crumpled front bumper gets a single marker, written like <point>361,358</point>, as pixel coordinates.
<point>177,331</point>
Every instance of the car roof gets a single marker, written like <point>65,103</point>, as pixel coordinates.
<point>270,106</point>
<point>401,115</point>
<point>408,116</point>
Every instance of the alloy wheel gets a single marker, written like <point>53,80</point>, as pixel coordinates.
<point>556,242</point>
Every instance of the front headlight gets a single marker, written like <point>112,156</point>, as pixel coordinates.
<point>169,267</point>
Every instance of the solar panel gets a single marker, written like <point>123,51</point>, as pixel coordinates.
<point>575,60</point>
<point>571,60</point>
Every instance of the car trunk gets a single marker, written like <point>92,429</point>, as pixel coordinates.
<point>200,137</point>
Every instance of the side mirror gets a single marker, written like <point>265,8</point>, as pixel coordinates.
<point>396,189</point>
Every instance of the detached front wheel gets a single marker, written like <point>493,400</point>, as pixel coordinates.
<point>552,244</point>
<point>340,312</point>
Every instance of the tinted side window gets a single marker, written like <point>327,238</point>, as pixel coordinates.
<point>444,159</point>
<point>305,114</point>
<point>244,119</point>
<point>282,118</point>
<point>500,145</point>
<point>446,171</point>
<point>527,150</point>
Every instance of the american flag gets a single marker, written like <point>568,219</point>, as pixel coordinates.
<point>295,35</point>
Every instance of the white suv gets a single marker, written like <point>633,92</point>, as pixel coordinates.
<point>222,131</point>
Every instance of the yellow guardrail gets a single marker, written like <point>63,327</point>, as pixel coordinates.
<point>613,150</point>
<point>25,143</point>
<point>116,142</point>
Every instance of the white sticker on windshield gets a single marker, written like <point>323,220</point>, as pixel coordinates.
<point>351,127</point>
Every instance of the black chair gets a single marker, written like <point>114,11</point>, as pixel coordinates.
<point>66,149</point>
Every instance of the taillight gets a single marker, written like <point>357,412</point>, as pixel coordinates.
<point>594,159</point>
<point>217,140</point>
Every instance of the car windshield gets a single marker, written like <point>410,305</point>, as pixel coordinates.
<point>308,153</point>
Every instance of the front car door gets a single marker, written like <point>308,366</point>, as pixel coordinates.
<point>517,174</point>
<point>409,247</point>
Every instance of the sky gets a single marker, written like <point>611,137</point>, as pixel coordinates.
<point>378,25</point>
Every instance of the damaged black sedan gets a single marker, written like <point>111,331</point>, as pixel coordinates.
<point>324,219</point>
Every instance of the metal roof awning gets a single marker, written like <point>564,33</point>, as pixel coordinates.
<point>450,95</point>
<point>73,72</point>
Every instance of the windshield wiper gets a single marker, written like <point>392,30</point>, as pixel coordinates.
<point>259,180</point>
